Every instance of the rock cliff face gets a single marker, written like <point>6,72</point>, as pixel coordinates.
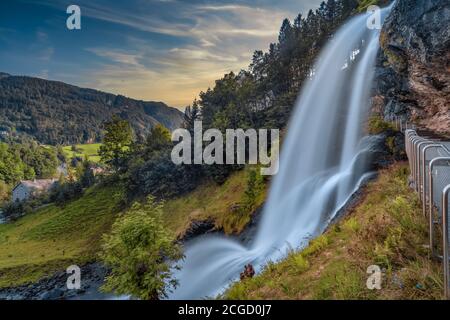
<point>413,72</point>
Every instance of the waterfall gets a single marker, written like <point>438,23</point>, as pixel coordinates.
<point>323,160</point>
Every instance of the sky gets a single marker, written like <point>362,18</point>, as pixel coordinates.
<point>159,50</point>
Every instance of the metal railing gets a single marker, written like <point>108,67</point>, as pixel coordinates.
<point>429,161</point>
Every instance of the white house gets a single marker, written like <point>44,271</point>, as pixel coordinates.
<point>28,188</point>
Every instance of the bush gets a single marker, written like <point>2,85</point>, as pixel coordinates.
<point>364,4</point>
<point>254,187</point>
<point>63,192</point>
<point>139,251</point>
<point>162,178</point>
<point>14,210</point>
<point>4,191</point>
<point>377,125</point>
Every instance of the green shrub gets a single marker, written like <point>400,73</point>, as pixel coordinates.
<point>139,250</point>
<point>352,225</point>
<point>316,245</point>
<point>4,191</point>
<point>377,125</point>
<point>254,187</point>
<point>364,4</point>
<point>300,262</point>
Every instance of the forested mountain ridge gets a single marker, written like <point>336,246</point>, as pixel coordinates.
<point>58,113</point>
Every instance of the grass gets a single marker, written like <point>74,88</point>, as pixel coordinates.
<point>364,4</point>
<point>376,125</point>
<point>53,237</point>
<point>83,150</point>
<point>386,228</point>
<point>210,201</point>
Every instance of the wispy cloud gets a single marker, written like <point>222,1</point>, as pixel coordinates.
<point>221,39</point>
<point>166,50</point>
<point>42,47</point>
<point>120,57</point>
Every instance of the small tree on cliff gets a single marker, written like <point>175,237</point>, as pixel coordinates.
<point>139,251</point>
<point>158,139</point>
<point>116,143</point>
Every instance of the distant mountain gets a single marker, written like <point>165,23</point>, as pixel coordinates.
<point>58,113</point>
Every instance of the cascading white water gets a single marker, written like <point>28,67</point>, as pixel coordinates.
<point>324,158</point>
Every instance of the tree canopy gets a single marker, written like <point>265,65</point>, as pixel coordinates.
<point>139,251</point>
<point>116,143</point>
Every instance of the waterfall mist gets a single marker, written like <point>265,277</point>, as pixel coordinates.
<point>323,159</point>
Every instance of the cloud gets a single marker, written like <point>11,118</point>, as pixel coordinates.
<point>43,74</point>
<point>221,39</point>
<point>117,56</point>
<point>141,20</point>
<point>42,48</point>
<point>171,50</point>
<point>46,54</point>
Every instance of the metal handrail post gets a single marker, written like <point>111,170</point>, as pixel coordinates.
<point>413,143</point>
<point>423,193</point>
<point>417,158</point>
<point>430,201</point>
<point>412,148</point>
<point>416,142</point>
<point>409,134</point>
<point>407,142</point>
<point>445,193</point>
<point>419,167</point>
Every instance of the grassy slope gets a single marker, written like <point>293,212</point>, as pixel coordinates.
<point>386,228</point>
<point>212,201</point>
<point>90,150</point>
<point>53,237</point>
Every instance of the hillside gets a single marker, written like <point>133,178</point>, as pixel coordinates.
<point>54,237</point>
<point>58,113</point>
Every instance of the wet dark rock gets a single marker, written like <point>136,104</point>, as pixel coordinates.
<point>54,294</point>
<point>248,234</point>
<point>55,287</point>
<point>197,228</point>
<point>248,272</point>
<point>385,148</point>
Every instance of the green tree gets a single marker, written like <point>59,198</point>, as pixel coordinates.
<point>4,191</point>
<point>158,139</point>
<point>191,114</point>
<point>11,165</point>
<point>139,251</point>
<point>253,189</point>
<point>85,174</point>
<point>116,143</point>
